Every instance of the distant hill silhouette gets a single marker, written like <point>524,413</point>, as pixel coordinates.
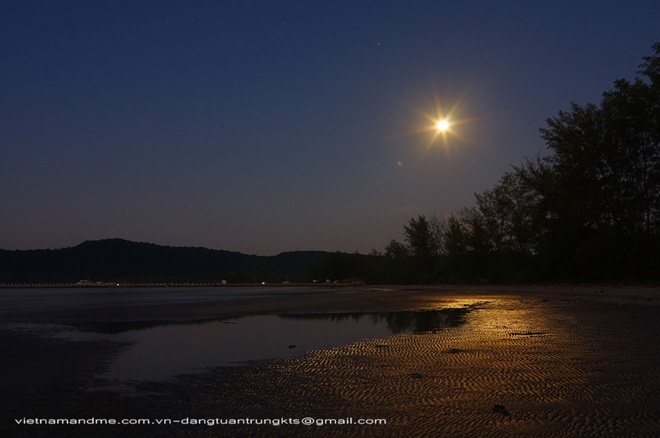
<point>119,260</point>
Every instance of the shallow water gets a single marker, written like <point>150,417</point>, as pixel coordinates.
<point>163,351</point>
<point>17,301</point>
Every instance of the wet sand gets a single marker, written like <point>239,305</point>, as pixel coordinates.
<point>529,361</point>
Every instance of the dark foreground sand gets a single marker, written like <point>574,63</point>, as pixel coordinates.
<point>529,361</point>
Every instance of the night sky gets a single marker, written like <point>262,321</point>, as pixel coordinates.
<point>271,126</point>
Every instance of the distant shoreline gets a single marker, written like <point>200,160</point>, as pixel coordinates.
<point>344,284</point>
<point>94,285</point>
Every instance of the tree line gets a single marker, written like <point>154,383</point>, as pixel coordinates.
<point>118,260</point>
<point>588,211</point>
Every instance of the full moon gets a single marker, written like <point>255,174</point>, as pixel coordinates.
<point>442,125</point>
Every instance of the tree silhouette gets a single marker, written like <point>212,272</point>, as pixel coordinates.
<point>590,210</point>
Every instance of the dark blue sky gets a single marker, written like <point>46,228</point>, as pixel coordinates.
<point>269,126</point>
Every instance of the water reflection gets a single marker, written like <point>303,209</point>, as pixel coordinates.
<point>164,351</point>
<point>396,322</point>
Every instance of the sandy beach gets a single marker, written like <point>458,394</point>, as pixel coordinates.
<point>527,361</point>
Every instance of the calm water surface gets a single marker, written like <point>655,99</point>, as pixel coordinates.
<point>164,351</point>
<point>161,350</point>
<point>22,300</point>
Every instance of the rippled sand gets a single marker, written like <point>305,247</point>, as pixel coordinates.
<point>520,367</point>
<point>541,363</point>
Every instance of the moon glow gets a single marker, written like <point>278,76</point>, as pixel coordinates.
<point>442,125</point>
